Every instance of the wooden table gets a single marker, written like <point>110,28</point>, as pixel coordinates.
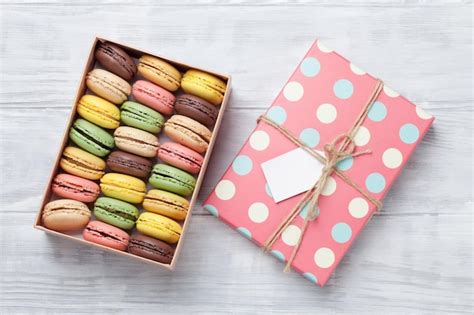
<point>417,257</point>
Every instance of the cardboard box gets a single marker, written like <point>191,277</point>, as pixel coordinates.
<point>90,64</point>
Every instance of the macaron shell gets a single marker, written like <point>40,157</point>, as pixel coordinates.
<point>154,96</point>
<point>166,203</point>
<point>91,138</point>
<point>180,156</point>
<point>99,111</point>
<point>76,188</point>
<point>160,72</point>
<point>136,141</point>
<point>106,235</point>
<point>130,164</point>
<point>65,215</point>
<point>108,85</point>
<point>123,187</point>
<point>142,117</point>
<point>81,163</point>
<point>116,212</point>
<point>197,109</point>
<point>150,248</point>
<point>204,85</point>
<point>188,132</point>
<point>159,227</point>
<point>116,60</point>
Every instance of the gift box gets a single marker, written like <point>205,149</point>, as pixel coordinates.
<point>331,118</point>
<point>48,196</point>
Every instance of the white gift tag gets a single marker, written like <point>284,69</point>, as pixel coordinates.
<point>291,173</point>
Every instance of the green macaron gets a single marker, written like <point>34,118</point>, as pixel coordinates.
<point>91,138</point>
<point>172,179</point>
<point>142,117</point>
<point>116,212</point>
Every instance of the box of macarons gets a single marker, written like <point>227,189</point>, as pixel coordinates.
<point>133,156</point>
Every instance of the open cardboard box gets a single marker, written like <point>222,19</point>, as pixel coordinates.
<point>48,195</point>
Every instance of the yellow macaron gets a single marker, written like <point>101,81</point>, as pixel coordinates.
<point>204,85</point>
<point>99,111</point>
<point>166,203</point>
<point>159,227</point>
<point>123,187</point>
<point>81,163</point>
<point>159,72</point>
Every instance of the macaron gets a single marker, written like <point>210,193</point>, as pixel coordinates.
<point>159,227</point>
<point>188,132</point>
<point>139,116</point>
<point>150,248</point>
<point>65,215</point>
<point>116,60</point>
<point>123,187</point>
<point>172,179</point>
<point>197,109</point>
<point>160,72</point>
<point>130,164</point>
<point>107,235</point>
<point>180,156</point>
<point>154,96</point>
<point>136,141</point>
<point>74,187</point>
<point>116,212</point>
<point>166,203</point>
<point>81,163</point>
<point>204,85</point>
<point>108,85</point>
<point>91,138</point>
<point>99,111</point>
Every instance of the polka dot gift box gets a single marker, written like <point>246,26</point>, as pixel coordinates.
<point>323,99</point>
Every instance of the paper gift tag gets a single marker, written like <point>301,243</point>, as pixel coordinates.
<point>291,173</point>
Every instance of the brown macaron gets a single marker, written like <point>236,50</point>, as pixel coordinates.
<point>116,60</point>
<point>197,109</point>
<point>130,164</point>
<point>150,248</point>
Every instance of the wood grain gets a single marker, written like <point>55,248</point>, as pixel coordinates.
<point>414,258</point>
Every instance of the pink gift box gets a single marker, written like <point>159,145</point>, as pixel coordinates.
<point>321,100</point>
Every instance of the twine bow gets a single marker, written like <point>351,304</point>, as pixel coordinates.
<point>341,148</point>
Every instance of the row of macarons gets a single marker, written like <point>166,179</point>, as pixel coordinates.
<point>163,79</point>
<point>153,239</point>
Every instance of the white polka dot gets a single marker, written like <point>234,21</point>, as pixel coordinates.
<point>389,92</point>
<point>326,113</point>
<point>357,70</point>
<point>392,158</point>
<point>323,47</point>
<point>225,190</point>
<point>362,137</point>
<point>293,91</point>
<point>324,257</point>
<point>329,187</point>
<point>422,114</point>
<point>291,235</point>
<point>259,140</point>
<point>358,207</point>
<point>258,212</point>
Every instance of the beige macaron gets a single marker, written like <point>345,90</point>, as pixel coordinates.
<point>108,85</point>
<point>65,215</point>
<point>136,141</point>
<point>159,72</point>
<point>188,132</point>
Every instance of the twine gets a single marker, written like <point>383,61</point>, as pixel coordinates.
<point>341,148</point>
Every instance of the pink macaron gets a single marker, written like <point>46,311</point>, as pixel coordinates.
<point>107,235</point>
<point>181,157</point>
<point>154,96</point>
<point>74,187</point>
